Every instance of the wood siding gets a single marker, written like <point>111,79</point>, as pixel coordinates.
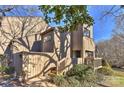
<point>77,40</point>
<point>48,44</point>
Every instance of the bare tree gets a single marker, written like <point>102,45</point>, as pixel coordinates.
<point>113,49</point>
<point>114,11</point>
<point>13,28</point>
<point>5,9</point>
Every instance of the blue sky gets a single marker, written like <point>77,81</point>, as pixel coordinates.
<point>102,28</point>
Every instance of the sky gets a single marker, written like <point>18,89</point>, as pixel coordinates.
<point>102,28</point>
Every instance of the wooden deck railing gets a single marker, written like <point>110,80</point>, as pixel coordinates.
<point>64,65</point>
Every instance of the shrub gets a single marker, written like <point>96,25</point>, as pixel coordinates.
<point>105,70</point>
<point>2,57</point>
<point>73,82</point>
<point>105,63</point>
<point>59,80</point>
<point>7,70</point>
<point>83,73</point>
<point>100,77</point>
<point>3,60</point>
<point>79,75</point>
<point>2,69</point>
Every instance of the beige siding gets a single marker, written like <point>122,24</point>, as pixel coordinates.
<point>28,43</point>
<point>14,26</point>
<point>88,44</point>
<point>37,64</point>
<point>34,55</point>
<point>47,42</point>
<point>62,44</point>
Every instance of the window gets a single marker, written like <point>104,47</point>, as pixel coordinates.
<point>47,45</point>
<point>86,32</point>
<point>76,54</point>
<point>47,38</point>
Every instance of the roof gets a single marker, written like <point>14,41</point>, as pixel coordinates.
<point>49,29</point>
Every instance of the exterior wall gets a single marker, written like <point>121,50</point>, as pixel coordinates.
<point>47,42</point>
<point>88,44</point>
<point>65,65</point>
<point>82,43</point>
<point>97,63</point>
<point>53,53</point>
<point>77,39</point>
<point>62,44</point>
<point>28,43</point>
<point>36,64</point>
<point>18,61</point>
<point>90,29</point>
<point>33,64</point>
<point>20,27</point>
<point>61,50</point>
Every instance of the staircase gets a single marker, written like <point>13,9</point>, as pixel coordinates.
<point>61,66</point>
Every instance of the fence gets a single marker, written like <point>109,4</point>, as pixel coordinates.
<point>93,62</point>
<point>34,64</point>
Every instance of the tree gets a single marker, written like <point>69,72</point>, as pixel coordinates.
<point>18,10</point>
<point>70,16</point>
<point>119,27</point>
<point>113,49</point>
<point>113,11</point>
<point>18,27</point>
<point>5,9</point>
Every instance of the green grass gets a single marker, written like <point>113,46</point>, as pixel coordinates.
<point>118,73</point>
<point>116,80</point>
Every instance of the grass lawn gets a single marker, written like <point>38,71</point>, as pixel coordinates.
<point>116,80</point>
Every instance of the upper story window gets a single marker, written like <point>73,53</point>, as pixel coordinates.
<point>47,45</point>
<point>86,33</point>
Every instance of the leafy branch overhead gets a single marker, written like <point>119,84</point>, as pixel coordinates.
<point>71,16</point>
